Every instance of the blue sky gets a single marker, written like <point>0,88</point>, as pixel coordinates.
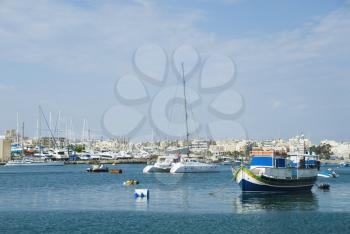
<point>292,59</point>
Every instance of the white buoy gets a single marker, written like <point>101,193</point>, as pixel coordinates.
<point>141,193</point>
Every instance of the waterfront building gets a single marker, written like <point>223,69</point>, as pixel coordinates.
<point>5,149</point>
<point>339,149</point>
<point>199,146</point>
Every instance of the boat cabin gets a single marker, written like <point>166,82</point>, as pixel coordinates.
<point>281,165</point>
<point>268,159</point>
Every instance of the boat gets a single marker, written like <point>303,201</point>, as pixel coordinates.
<point>324,186</point>
<point>328,174</point>
<point>97,168</point>
<point>191,165</point>
<point>188,164</point>
<point>344,164</point>
<point>116,171</point>
<point>274,172</point>
<point>163,164</point>
<point>34,162</point>
<point>16,148</point>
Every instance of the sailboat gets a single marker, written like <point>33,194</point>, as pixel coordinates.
<point>188,164</point>
<point>163,164</point>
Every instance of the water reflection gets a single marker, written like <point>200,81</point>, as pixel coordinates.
<point>252,202</point>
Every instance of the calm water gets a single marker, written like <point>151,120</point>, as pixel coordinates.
<point>66,199</point>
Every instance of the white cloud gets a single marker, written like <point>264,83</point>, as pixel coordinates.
<point>74,38</point>
<point>100,38</point>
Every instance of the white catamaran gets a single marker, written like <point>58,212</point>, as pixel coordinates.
<point>188,164</point>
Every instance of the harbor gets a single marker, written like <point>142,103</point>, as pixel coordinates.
<point>192,116</point>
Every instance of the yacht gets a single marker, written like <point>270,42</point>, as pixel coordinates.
<point>187,164</point>
<point>163,164</point>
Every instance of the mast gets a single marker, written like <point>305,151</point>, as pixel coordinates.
<point>186,112</point>
<point>23,139</point>
<point>17,130</point>
<point>39,132</point>
<point>48,125</point>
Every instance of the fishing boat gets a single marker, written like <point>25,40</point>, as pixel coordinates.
<point>27,161</point>
<point>272,171</point>
<point>163,164</point>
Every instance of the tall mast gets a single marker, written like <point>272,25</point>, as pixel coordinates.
<point>48,125</point>
<point>17,130</point>
<point>186,113</point>
<point>39,130</point>
<point>23,139</point>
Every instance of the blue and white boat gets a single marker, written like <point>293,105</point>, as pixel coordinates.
<point>328,174</point>
<point>273,172</point>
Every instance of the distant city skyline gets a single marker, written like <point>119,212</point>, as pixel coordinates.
<point>292,60</point>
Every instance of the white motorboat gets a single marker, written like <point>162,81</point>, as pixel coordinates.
<point>163,164</point>
<point>190,165</point>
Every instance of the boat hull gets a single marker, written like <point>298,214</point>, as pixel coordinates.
<point>155,169</point>
<point>188,168</point>
<point>252,183</point>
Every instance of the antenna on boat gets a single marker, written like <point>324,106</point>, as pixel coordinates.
<point>186,112</point>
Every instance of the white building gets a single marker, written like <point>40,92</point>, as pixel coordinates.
<point>339,149</point>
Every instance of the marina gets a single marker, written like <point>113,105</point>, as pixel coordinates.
<point>196,116</point>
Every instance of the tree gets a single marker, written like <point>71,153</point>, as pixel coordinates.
<point>322,150</point>
<point>79,148</point>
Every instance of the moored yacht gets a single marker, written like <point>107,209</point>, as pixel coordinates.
<point>191,165</point>
<point>187,164</point>
<point>163,164</point>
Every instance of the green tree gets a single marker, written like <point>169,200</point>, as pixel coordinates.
<point>322,150</point>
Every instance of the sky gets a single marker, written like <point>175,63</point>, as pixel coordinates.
<point>280,68</point>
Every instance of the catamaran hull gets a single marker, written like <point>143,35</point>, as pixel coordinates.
<point>182,168</point>
<point>251,183</point>
<point>154,169</point>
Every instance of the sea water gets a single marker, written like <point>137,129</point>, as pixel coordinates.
<point>35,199</point>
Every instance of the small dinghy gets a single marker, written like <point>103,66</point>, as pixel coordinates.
<point>97,168</point>
<point>116,171</point>
<point>324,186</point>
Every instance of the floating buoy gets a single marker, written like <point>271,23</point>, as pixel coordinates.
<point>141,193</point>
<point>131,182</point>
<point>116,171</point>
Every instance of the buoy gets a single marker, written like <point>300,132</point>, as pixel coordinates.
<point>131,182</point>
<point>141,193</point>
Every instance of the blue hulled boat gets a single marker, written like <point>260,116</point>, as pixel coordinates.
<point>278,172</point>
